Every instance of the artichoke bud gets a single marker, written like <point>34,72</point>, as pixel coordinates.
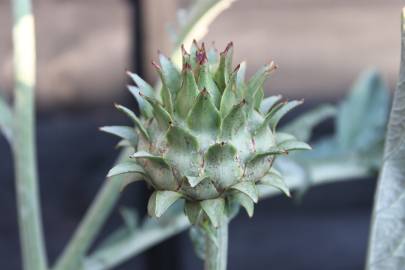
<point>209,137</point>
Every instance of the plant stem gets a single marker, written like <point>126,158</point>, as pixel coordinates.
<point>139,241</point>
<point>91,224</point>
<point>24,150</point>
<point>216,252</point>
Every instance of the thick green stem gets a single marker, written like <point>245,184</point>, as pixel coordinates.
<point>216,252</point>
<point>93,221</point>
<point>23,143</point>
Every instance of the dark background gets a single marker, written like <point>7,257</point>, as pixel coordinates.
<point>320,47</point>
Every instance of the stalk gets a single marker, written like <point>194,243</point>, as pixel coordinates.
<point>216,252</point>
<point>93,221</point>
<point>23,143</point>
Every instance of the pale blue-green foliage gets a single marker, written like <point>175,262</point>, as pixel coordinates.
<point>209,137</point>
<point>360,125</point>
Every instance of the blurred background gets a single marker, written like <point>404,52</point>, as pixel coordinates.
<point>84,48</point>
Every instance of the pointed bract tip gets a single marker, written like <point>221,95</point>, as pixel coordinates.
<point>236,69</point>
<point>228,47</point>
<point>156,65</point>
<point>204,92</point>
<point>186,67</point>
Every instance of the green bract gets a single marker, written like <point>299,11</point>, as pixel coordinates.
<point>209,137</point>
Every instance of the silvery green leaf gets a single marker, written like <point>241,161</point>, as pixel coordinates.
<point>144,106</point>
<point>161,115</point>
<point>195,180</point>
<point>160,171</point>
<point>221,164</point>
<point>143,86</point>
<point>245,201</point>
<point>204,118</point>
<point>6,119</point>
<point>125,167</point>
<point>160,201</point>
<point>225,67</point>
<point>170,75</point>
<point>193,211</point>
<point>258,98</point>
<point>187,94</point>
<point>205,81</point>
<point>212,56</point>
<point>362,117</point>
<point>214,209</point>
<point>240,75</point>
<point>268,103</point>
<point>124,132</point>
<point>183,151</point>
<point>229,97</point>
<point>291,145</point>
<point>274,179</point>
<point>276,117</point>
<point>302,126</point>
<point>134,118</point>
<point>387,238</point>
<point>248,188</point>
<point>234,121</point>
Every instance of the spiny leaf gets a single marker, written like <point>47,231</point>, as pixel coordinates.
<point>214,209</point>
<point>248,188</point>
<point>268,103</point>
<point>233,121</point>
<point>127,133</point>
<point>162,116</point>
<point>165,93</point>
<point>221,164</point>
<point>135,119</point>
<point>144,106</point>
<point>291,145</point>
<point>125,167</point>
<point>158,169</point>
<point>256,82</point>
<point>257,100</point>
<point>229,97</point>
<point>205,81</point>
<point>204,117</point>
<point>245,201</point>
<point>183,151</point>
<point>187,94</point>
<point>192,211</point>
<point>170,75</point>
<point>143,86</point>
<point>225,67</point>
<point>240,75</point>
<point>195,180</point>
<point>274,179</point>
<point>160,201</point>
<point>282,111</point>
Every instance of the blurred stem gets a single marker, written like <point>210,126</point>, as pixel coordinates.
<point>216,252</point>
<point>92,222</point>
<point>24,150</point>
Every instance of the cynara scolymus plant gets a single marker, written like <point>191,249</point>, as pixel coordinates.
<point>208,137</point>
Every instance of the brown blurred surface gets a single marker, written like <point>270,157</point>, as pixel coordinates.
<point>319,45</point>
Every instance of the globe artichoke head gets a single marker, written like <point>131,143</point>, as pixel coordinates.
<point>209,137</point>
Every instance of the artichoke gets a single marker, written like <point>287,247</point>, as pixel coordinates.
<point>207,137</point>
